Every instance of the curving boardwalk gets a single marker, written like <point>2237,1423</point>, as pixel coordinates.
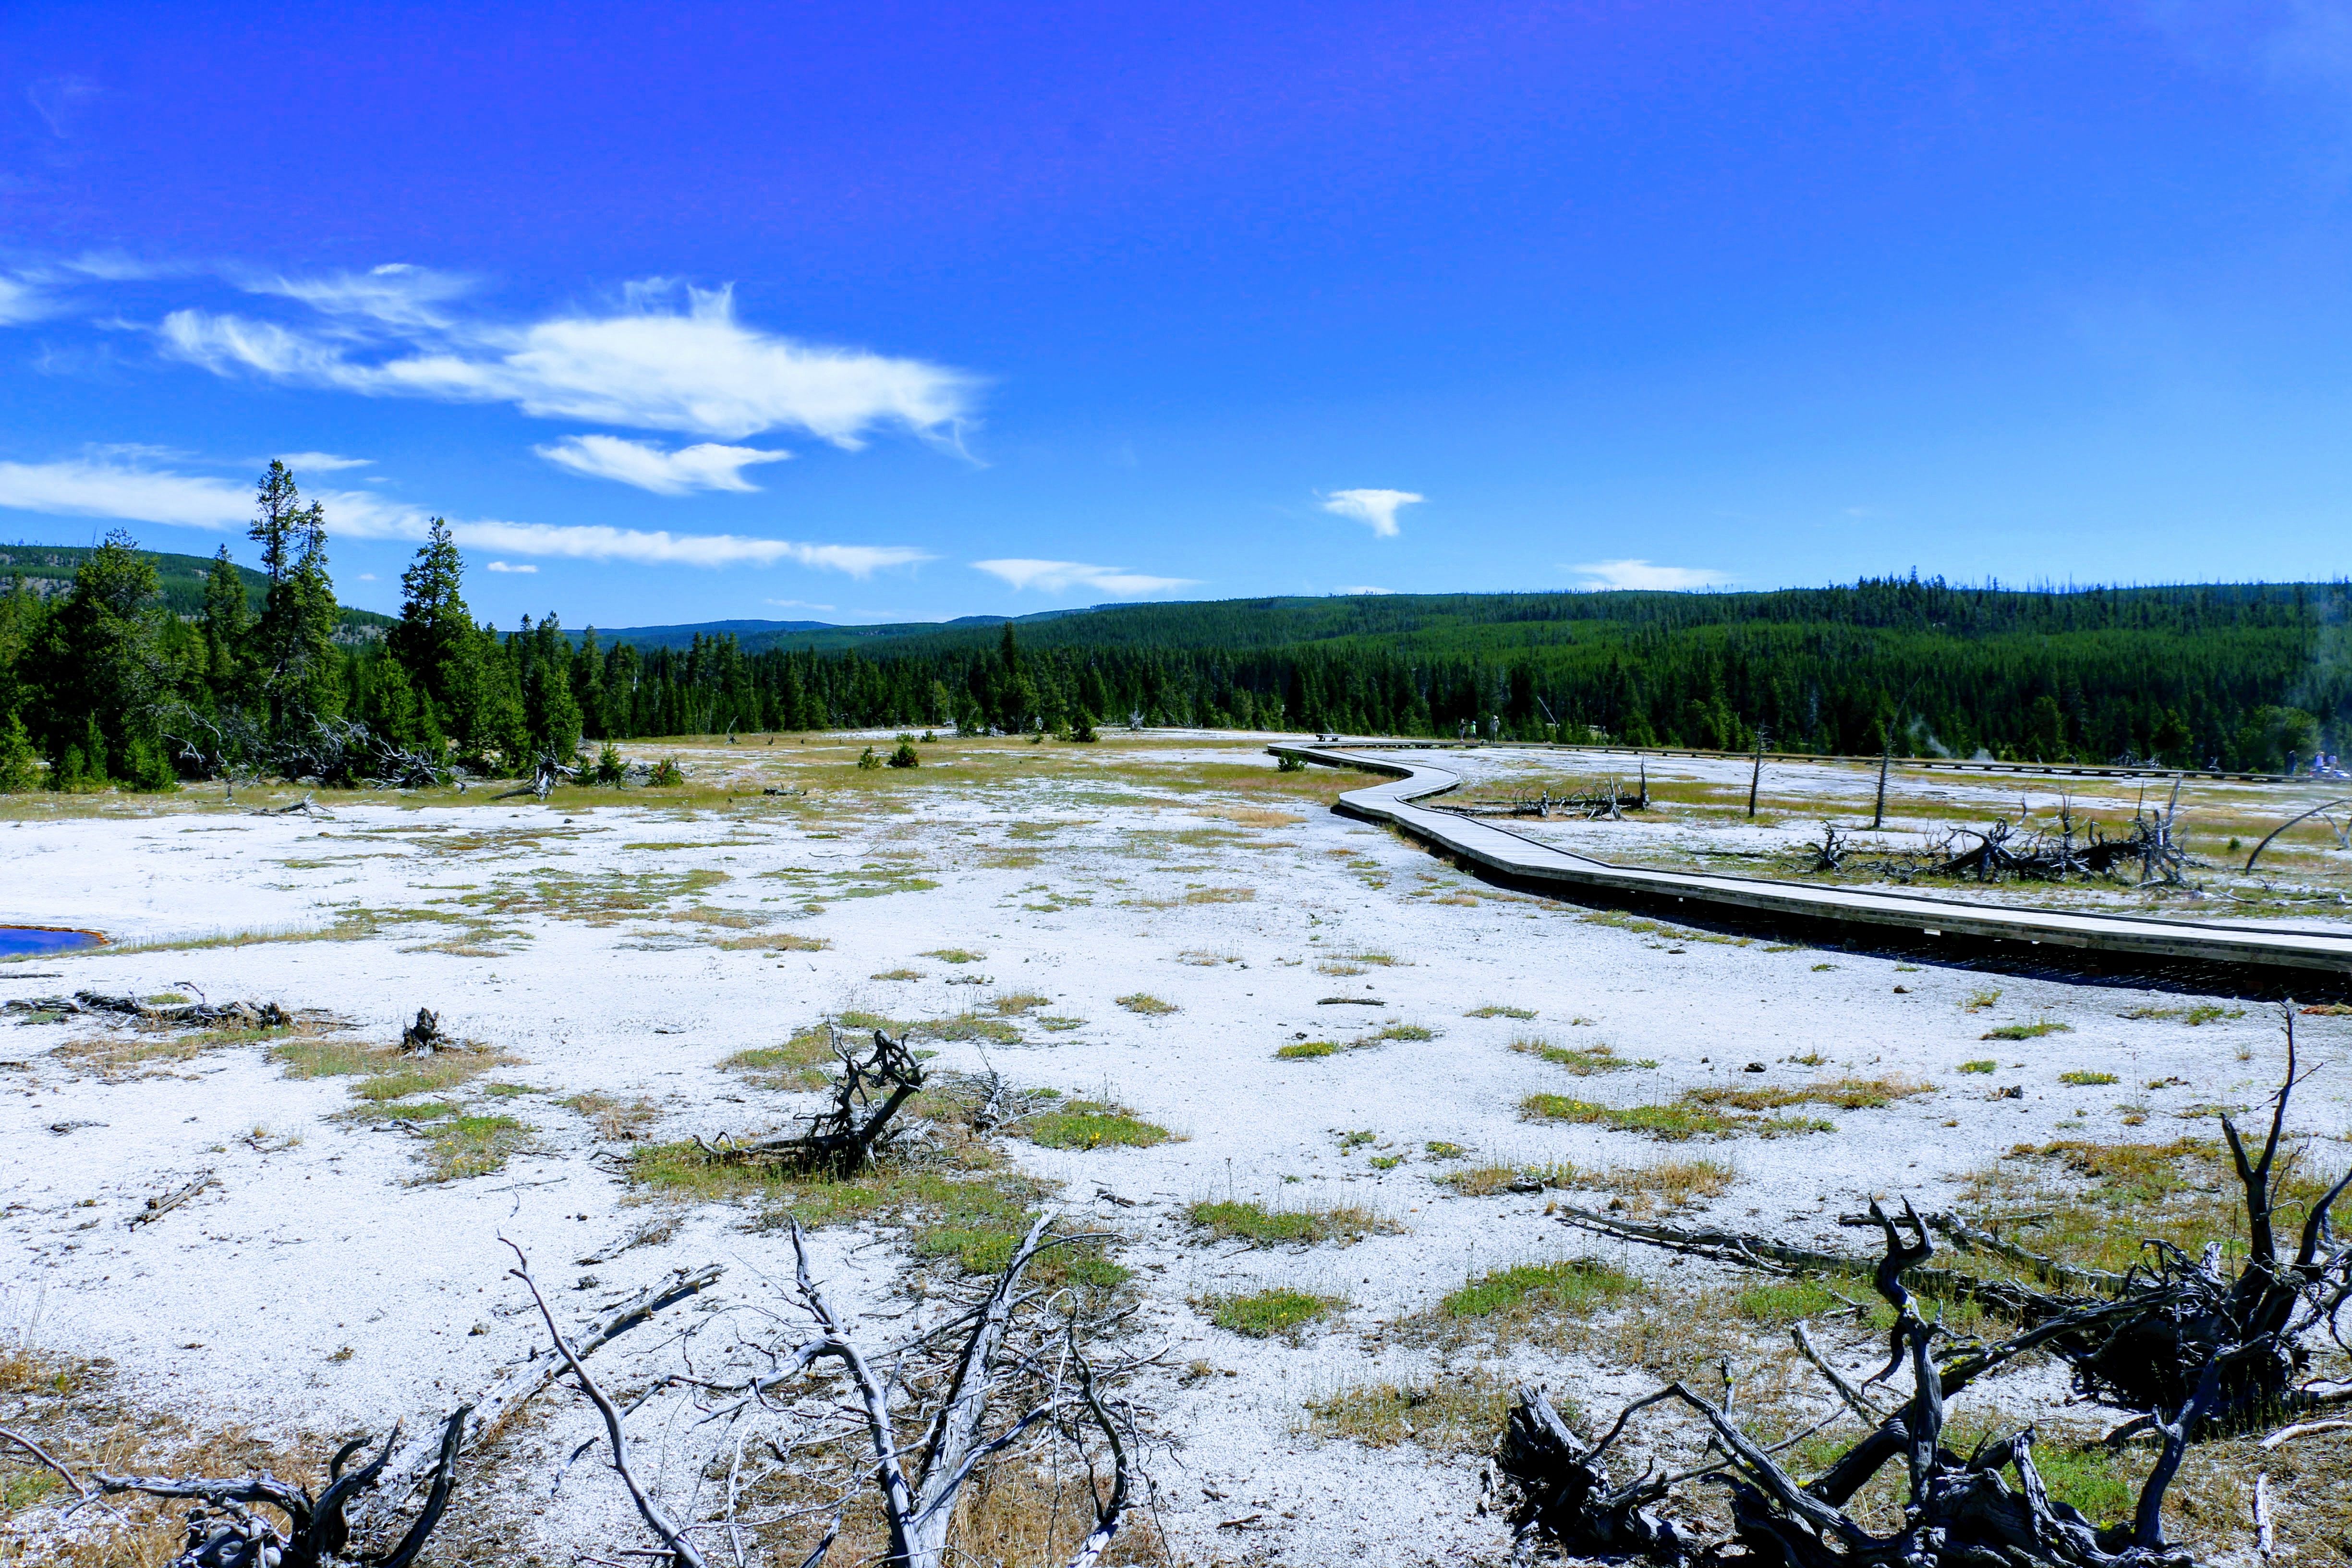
<point>1523,859</point>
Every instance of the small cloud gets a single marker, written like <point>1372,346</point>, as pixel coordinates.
<point>704,466</point>
<point>1607,575</point>
<point>365,577</point>
<point>509,566</point>
<point>1059,576</point>
<point>1376,510</point>
<point>54,99</point>
<point>1363,588</point>
<point>321,463</point>
<point>794,605</point>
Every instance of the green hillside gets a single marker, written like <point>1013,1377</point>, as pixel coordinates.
<point>48,570</point>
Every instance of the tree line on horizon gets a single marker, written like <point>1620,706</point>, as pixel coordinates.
<point>105,685</point>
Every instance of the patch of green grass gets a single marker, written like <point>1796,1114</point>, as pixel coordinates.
<point>1496,1010</point>
<point>1459,1412</point>
<point>1279,1311</point>
<point>1438,1149</point>
<point>1092,1124</point>
<point>1976,1001</point>
<point>404,1110</point>
<point>2102,1483</point>
<point>1143,1002</point>
<point>1983,1065</point>
<point>2034,1031</point>
<point>1302,1050</point>
<point>1058,1023</point>
<point>473,1146</point>
<point>1583,1061</point>
<point>1573,1285</point>
<point>2202,1013</point>
<point>955,955</point>
<point>1403,1032</point>
<point>1781,1302</point>
<point>2082,1078</point>
<point>776,941</point>
<point>1845,1093</point>
<point>1239,1220</point>
<point>897,974</point>
<point>799,1063</point>
<point>1676,1122</point>
<point>1019,1004</point>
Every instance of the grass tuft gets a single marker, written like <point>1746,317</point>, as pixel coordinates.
<point>2034,1031</point>
<point>1232,1220</point>
<point>1496,1010</point>
<point>1143,1002</point>
<point>1280,1312</point>
<point>1092,1124</point>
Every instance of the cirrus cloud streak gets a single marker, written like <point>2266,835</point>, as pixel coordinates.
<point>99,488</point>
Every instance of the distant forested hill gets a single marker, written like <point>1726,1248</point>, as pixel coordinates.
<point>48,570</point>
<point>2248,673</point>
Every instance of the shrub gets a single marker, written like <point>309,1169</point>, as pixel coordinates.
<point>667,773</point>
<point>609,769</point>
<point>1288,765</point>
<point>904,757</point>
<point>1082,729</point>
<point>867,760</point>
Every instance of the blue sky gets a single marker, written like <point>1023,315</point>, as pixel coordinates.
<point>907,311</point>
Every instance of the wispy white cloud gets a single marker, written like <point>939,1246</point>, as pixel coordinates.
<point>96,487</point>
<point>320,462</point>
<point>1377,510</point>
<point>1605,575</point>
<point>397,295</point>
<point>21,300</point>
<point>1059,576</point>
<point>652,365</point>
<point>795,605</point>
<point>706,466</point>
<point>100,488</point>
<point>509,566</point>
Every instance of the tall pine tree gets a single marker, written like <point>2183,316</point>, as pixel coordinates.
<point>295,662</point>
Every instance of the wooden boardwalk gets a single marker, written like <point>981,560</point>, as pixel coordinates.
<point>1516,858</point>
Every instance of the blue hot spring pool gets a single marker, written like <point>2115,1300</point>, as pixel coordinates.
<point>15,941</point>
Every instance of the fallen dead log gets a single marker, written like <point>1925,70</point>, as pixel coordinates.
<point>224,1531</point>
<point>162,1204</point>
<point>2144,1341</point>
<point>1958,1511</point>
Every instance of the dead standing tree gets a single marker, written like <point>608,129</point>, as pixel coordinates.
<point>1959,1512</point>
<point>842,1138</point>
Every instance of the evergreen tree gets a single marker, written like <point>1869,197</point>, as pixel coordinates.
<point>228,621</point>
<point>20,765</point>
<point>106,678</point>
<point>295,661</point>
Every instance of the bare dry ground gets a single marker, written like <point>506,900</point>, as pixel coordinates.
<point>1321,1091</point>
